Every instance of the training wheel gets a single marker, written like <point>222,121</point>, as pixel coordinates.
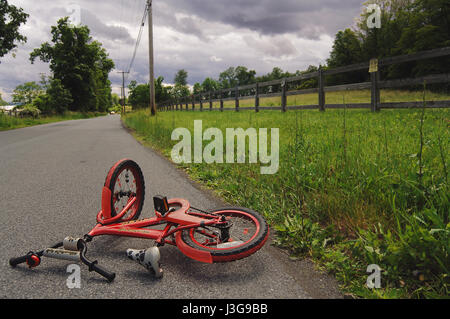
<point>148,258</point>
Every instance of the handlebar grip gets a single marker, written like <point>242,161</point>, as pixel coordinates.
<point>102,271</point>
<point>19,260</point>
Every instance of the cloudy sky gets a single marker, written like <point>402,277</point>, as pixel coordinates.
<point>203,37</point>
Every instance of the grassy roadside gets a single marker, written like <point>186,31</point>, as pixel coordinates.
<point>10,123</point>
<point>354,189</point>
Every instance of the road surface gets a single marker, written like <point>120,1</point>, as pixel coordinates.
<point>51,180</point>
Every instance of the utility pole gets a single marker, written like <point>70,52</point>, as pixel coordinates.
<point>122,93</point>
<point>151,59</point>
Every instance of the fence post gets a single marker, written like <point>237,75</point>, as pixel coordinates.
<point>375,97</point>
<point>221,101</point>
<point>375,92</point>
<point>201,102</point>
<point>283,95</point>
<point>257,98</point>
<point>193,102</point>
<point>321,90</point>
<point>210,101</point>
<point>237,98</point>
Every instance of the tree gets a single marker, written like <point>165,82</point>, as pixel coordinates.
<point>80,63</point>
<point>139,96</point>
<point>209,85</point>
<point>197,88</point>
<point>115,99</point>
<point>11,18</point>
<point>310,83</point>
<point>233,77</point>
<point>27,92</point>
<point>227,78</point>
<point>180,89</point>
<point>56,99</point>
<point>162,92</point>
<point>426,26</point>
<point>346,50</point>
<point>245,76</point>
<point>181,78</point>
<point>407,26</point>
<point>60,98</point>
<point>2,102</point>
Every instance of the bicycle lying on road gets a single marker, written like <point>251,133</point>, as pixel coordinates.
<point>215,236</point>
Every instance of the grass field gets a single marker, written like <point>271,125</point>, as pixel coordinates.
<point>9,122</point>
<point>354,188</point>
<point>353,96</point>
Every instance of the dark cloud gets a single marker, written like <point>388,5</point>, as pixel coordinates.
<point>185,24</point>
<point>105,31</point>
<point>273,17</point>
<point>277,47</point>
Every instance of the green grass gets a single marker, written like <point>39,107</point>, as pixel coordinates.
<point>354,188</point>
<point>9,122</point>
<point>353,96</point>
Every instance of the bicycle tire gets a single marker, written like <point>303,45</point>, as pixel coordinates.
<point>247,248</point>
<point>112,180</point>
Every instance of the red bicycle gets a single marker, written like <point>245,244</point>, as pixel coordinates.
<point>220,235</point>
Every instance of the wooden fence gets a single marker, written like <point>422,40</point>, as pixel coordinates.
<point>260,90</point>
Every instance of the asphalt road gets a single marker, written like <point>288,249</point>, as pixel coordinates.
<point>51,178</point>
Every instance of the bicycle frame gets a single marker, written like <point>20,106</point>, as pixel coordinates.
<point>175,222</point>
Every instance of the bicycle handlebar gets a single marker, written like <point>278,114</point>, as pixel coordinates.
<point>102,271</point>
<point>93,265</point>
<point>19,260</point>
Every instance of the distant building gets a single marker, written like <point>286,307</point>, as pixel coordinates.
<point>9,108</point>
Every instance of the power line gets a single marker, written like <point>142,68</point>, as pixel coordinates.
<point>139,37</point>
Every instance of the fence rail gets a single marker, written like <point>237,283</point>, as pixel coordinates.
<point>255,91</point>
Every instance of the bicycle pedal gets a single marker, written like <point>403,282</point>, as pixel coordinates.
<point>148,258</point>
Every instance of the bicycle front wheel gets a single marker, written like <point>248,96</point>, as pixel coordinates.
<point>246,233</point>
<point>126,181</point>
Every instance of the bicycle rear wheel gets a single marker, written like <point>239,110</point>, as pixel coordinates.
<point>247,232</point>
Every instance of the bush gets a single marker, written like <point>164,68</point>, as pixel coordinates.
<point>42,102</point>
<point>28,111</point>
